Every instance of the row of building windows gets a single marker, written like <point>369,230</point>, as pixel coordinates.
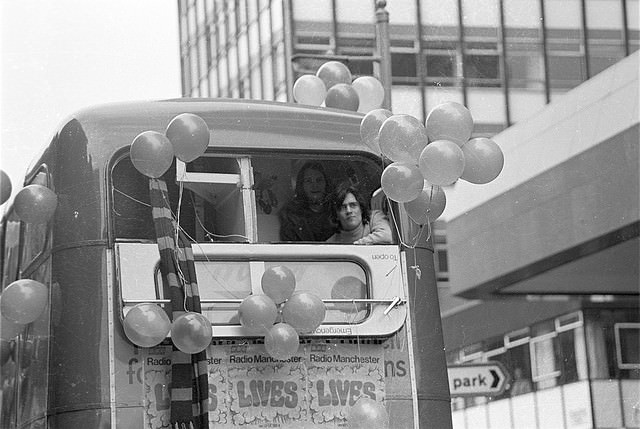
<point>590,344</point>
<point>504,59</point>
<point>233,49</point>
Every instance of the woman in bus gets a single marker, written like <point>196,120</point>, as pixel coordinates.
<point>307,216</point>
<point>356,224</point>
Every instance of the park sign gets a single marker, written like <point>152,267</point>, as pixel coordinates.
<point>478,379</point>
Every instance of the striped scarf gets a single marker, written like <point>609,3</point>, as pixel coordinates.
<point>189,380</point>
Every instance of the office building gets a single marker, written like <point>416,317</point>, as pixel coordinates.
<point>540,270</point>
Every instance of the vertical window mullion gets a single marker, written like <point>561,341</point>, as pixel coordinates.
<point>461,53</point>
<point>585,40</point>
<point>545,52</point>
<point>421,69</point>
<point>502,51</point>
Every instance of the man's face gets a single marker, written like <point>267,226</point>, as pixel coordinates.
<point>349,213</point>
<point>314,186</point>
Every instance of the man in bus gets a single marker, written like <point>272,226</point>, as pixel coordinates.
<point>356,224</point>
<point>307,216</point>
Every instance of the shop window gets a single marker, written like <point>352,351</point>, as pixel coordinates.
<point>627,336</point>
<point>566,342</point>
<point>544,361</point>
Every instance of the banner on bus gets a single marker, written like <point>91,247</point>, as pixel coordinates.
<point>249,389</point>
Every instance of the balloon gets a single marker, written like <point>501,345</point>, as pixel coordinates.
<point>5,187</point>
<point>342,96</point>
<point>483,160</point>
<point>23,301</point>
<point>402,138</point>
<point>189,135</point>
<point>191,332</point>
<point>441,162</point>
<point>370,127</point>
<point>428,206</point>
<point>309,89</point>
<point>257,313</point>
<point>281,341</point>
<point>146,325</point>
<point>151,153</point>
<point>349,287</point>
<point>368,414</point>
<point>8,329</point>
<point>401,182</point>
<point>304,311</point>
<point>450,121</point>
<point>370,92</point>
<point>278,283</point>
<point>334,72</point>
<point>35,204</point>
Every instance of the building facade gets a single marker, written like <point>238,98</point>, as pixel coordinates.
<point>568,334</point>
<point>503,59</point>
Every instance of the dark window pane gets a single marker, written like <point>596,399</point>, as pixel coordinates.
<point>361,67</point>
<point>403,65</point>
<point>441,66</point>
<point>628,339</point>
<point>482,66</point>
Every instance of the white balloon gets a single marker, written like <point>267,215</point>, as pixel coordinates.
<point>450,121</point>
<point>370,92</point>
<point>309,89</point>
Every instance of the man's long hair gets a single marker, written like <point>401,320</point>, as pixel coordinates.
<point>338,197</point>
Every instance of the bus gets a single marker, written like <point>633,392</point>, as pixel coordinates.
<point>98,255</point>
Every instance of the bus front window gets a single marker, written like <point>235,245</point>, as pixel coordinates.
<point>293,194</point>
<point>252,198</point>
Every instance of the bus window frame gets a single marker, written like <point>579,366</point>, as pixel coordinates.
<point>386,305</point>
<point>8,263</point>
<point>26,268</point>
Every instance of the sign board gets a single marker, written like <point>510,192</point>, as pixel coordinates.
<point>479,379</point>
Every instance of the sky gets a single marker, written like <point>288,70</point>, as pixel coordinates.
<point>60,56</point>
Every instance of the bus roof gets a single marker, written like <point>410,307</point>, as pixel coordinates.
<point>235,125</point>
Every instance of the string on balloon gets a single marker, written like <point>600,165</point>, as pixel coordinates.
<point>416,238</point>
<point>129,197</point>
<point>196,243</point>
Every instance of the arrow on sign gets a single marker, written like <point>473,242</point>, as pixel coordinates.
<point>483,379</point>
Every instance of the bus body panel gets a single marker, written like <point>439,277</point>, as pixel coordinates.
<point>79,370</point>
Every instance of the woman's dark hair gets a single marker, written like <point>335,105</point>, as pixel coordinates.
<point>338,197</point>
<point>299,195</point>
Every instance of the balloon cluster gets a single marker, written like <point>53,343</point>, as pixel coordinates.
<point>301,312</point>
<point>186,138</point>
<point>427,157</point>
<point>333,85</point>
<point>147,325</point>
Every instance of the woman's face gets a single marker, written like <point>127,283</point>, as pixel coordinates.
<point>350,213</point>
<point>314,186</point>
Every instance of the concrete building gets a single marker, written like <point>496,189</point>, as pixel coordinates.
<point>539,269</point>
